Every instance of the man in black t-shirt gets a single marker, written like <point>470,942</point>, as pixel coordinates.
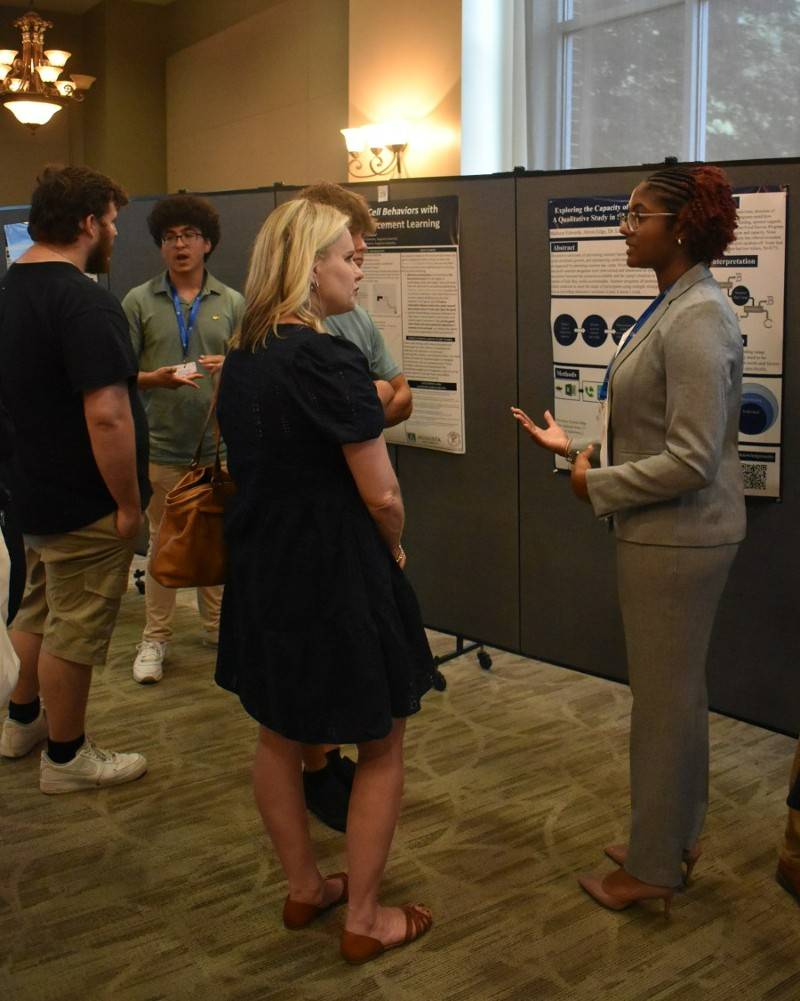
<point>79,477</point>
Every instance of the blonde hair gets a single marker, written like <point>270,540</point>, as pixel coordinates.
<point>293,237</point>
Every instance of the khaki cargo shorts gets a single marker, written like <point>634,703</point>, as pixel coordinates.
<point>73,589</point>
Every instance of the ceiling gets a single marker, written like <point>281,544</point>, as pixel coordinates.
<point>78,6</point>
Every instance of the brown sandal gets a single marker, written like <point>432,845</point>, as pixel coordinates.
<point>297,914</point>
<point>357,949</point>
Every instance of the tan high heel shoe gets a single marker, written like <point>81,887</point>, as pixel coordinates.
<point>619,853</point>
<point>357,949</point>
<point>297,914</point>
<point>617,898</point>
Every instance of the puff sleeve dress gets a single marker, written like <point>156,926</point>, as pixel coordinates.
<point>321,635</point>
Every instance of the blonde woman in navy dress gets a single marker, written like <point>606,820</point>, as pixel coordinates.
<point>321,636</point>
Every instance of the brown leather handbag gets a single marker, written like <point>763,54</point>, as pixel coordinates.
<point>190,551</point>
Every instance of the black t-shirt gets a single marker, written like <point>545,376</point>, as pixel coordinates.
<point>61,335</point>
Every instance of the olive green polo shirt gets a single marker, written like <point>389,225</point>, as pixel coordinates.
<point>175,416</point>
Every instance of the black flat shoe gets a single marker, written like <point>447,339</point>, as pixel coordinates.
<point>344,768</point>
<point>789,878</point>
<point>326,797</point>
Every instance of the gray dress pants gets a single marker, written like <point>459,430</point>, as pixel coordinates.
<point>669,597</point>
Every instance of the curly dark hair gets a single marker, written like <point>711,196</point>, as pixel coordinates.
<point>700,196</point>
<point>184,210</point>
<point>64,197</point>
<point>353,205</point>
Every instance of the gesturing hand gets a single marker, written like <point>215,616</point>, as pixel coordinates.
<point>167,377</point>
<point>553,437</point>
<point>212,363</point>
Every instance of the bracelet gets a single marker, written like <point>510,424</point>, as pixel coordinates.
<point>399,554</point>
<point>567,448</point>
<point>570,453</point>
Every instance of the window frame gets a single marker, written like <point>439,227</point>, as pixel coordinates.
<point>695,92</point>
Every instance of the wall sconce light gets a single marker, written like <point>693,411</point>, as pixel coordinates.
<point>376,150</point>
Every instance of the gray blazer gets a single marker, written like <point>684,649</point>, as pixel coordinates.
<point>674,477</point>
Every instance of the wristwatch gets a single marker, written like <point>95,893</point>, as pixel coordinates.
<point>572,454</point>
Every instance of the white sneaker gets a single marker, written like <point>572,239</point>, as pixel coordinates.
<point>89,769</point>
<point>148,666</point>
<point>17,739</point>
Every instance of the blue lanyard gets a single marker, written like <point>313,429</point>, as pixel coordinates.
<point>602,392</point>
<point>184,330</point>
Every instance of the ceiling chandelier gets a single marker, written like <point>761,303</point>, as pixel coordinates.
<point>29,83</point>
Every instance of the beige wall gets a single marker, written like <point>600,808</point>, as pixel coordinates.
<point>190,21</point>
<point>212,95</point>
<point>261,100</point>
<point>120,127</point>
<point>23,155</point>
<point>124,110</point>
<point>405,63</point>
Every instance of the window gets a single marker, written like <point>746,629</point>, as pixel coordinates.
<point>623,86</point>
<point>697,79</point>
<point>753,79</point>
<point>616,82</point>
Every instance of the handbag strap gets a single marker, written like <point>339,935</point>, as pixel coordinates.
<point>211,413</point>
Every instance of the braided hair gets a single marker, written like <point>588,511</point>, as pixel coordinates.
<point>700,196</point>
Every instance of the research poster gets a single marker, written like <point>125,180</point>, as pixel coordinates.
<point>412,289</point>
<point>596,298</point>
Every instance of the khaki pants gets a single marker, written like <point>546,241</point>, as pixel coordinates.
<point>160,601</point>
<point>790,851</point>
<point>74,585</point>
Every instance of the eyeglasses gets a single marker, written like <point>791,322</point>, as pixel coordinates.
<point>188,236</point>
<point>632,219</point>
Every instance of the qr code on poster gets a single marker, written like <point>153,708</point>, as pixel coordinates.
<point>755,475</point>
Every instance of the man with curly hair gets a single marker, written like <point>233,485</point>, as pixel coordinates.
<point>180,323</point>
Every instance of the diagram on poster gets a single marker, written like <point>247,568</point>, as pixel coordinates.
<point>596,298</point>
<point>412,288</point>
<point>752,273</point>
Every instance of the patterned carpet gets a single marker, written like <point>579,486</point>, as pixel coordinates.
<point>165,888</point>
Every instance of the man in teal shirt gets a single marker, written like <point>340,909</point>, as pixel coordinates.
<point>327,776</point>
<point>358,326</point>
<point>180,323</point>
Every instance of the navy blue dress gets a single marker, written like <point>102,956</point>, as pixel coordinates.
<point>321,635</point>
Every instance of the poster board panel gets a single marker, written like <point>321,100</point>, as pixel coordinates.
<point>461,510</point>
<point>533,571</point>
<point>569,611</point>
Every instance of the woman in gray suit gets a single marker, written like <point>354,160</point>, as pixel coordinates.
<point>669,476</point>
